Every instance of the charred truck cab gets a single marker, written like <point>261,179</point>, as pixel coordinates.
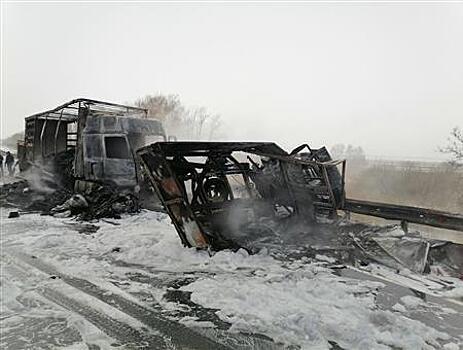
<point>89,141</point>
<point>219,194</point>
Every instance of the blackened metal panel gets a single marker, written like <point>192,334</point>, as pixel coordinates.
<point>93,156</point>
<point>38,125</point>
<point>98,123</point>
<point>93,125</point>
<point>142,126</point>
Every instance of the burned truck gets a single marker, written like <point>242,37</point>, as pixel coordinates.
<point>89,142</point>
<point>217,192</point>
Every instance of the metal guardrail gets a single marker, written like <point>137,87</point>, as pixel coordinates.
<point>409,214</point>
<point>426,167</point>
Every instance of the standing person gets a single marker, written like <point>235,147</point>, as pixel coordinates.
<point>9,161</point>
<point>1,165</point>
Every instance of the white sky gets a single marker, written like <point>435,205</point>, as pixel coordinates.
<point>387,77</point>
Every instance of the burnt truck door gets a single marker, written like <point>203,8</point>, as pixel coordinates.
<point>119,164</point>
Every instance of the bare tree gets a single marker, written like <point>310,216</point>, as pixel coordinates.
<point>186,124</point>
<point>162,107</point>
<point>349,152</point>
<point>455,146</point>
<point>338,151</point>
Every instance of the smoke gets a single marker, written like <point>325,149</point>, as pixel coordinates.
<point>40,179</point>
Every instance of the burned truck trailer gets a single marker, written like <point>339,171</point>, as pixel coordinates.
<point>216,193</point>
<point>89,141</point>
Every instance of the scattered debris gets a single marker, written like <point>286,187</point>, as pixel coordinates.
<point>13,214</point>
<point>111,222</point>
<point>107,202</point>
<point>21,195</point>
<point>83,227</point>
<point>76,204</point>
<point>99,202</point>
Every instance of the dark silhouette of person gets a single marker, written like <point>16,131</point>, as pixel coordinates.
<point>9,161</point>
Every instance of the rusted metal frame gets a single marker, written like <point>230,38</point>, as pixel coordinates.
<point>415,215</point>
<point>57,115</point>
<point>79,155</point>
<point>33,144</point>
<point>333,162</point>
<point>57,131</point>
<point>247,182</point>
<point>206,148</point>
<point>63,106</point>
<point>300,148</point>
<point>328,185</point>
<point>134,157</point>
<point>343,183</point>
<point>284,172</point>
<point>253,163</point>
<point>116,105</point>
<point>197,191</point>
<point>90,101</point>
<point>68,146</point>
<point>292,159</point>
<point>166,204</point>
<point>230,191</point>
<point>182,198</point>
<point>41,136</point>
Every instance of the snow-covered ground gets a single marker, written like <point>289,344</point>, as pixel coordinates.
<point>63,285</point>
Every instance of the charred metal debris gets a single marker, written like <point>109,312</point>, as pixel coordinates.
<point>216,192</point>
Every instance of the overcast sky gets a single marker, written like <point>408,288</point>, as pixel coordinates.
<point>387,77</point>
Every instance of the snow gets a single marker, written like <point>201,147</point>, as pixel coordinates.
<point>300,302</point>
<point>15,315</point>
<point>399,308</point>
<point>325,258</point>
<point>307,307</point>
<point>412,302</point>
<point>455,293</point>
<point>451,346</point>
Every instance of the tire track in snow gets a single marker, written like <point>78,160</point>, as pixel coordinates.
<point>126,335</point>
<point>180,335</point>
